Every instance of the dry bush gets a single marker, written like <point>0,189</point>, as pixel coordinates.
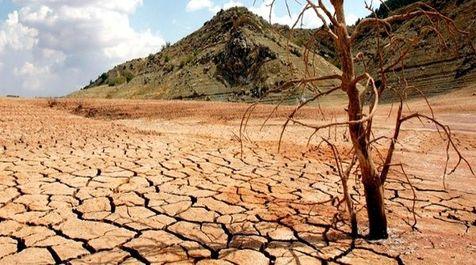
<point>52,102</point>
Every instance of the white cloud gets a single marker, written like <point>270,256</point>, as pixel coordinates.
<point>136,46</point>
<point>351,19</point>
<point>195,5</point>
<point>262,9</point>
<point>33,76</point>
<point>232,3</point>
<point>15,35</point>
<point>309,20</point>
<point>51,47</point>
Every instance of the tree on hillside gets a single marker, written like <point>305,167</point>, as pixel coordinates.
<point>359,122</point>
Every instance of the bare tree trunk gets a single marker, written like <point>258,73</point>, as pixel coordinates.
<point>373,185</point>
<point>376,210</point>
<point>370,178</point>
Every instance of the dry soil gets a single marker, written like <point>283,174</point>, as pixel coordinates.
<point>131,182</point>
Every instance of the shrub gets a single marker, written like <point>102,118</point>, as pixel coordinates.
<point>103,77</point>
<point>118,80</point>
<point>187,60</point>
<point>129,76</point>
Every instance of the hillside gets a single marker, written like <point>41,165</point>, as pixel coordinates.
<point>237,56</point>
<point>430,67</point>
<point>436,64</point>
<point>234,57</point>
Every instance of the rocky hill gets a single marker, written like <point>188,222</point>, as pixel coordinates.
<point>238,56</point>
<point>235,56</point>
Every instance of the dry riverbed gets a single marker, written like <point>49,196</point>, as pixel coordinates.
<point>137,182</point>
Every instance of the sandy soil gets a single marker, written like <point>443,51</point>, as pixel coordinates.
<point>131,182</point>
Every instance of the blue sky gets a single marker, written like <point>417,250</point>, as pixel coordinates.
<point>51,48</point>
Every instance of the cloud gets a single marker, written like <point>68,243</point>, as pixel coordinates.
<point>351,19</point>
<point>52,47</point>
<point>17,36</point>
<point>232,3</point>
<point>29,74</point>
<point>195,5</point>
<point>309,20</point>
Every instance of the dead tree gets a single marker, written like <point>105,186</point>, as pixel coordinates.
<point>359,122</point>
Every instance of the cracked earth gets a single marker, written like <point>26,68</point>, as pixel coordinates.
<point>172,188</point>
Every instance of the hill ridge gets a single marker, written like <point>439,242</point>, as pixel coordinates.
<point>235,56</point>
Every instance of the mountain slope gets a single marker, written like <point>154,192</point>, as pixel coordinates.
<point>430,67</point>
<point>436,64</point>
<point>235,56</point>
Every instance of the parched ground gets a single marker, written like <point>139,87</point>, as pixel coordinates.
<point>134,182</point>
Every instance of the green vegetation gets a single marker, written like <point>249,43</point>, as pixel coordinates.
<point>129,76</point>
<point>103,77</point>
<point>188,59</point>
<point>301,40</point>
<point>118,80</point>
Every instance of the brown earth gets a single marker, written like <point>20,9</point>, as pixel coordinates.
<point>163,182</point>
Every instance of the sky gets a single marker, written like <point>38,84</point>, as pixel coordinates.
<point>54,47</point>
